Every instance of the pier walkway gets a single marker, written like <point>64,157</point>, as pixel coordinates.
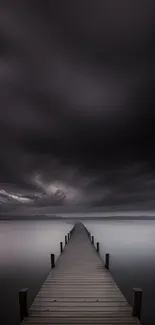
<point>80,290</point>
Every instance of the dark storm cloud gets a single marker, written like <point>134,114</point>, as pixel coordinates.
<point>77,103</point>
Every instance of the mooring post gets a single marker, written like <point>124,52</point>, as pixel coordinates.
<point>92,240</point>
<point>97,247</point>
<point>71,232</point>
<point>68,236</point>
<point>65,240</point>
<point>61,247</point>
<point>137,302</point>
<point>52,261</point>
<point>107,256</point>
<point>23,303</point>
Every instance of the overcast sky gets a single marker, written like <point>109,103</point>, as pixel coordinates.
<point>77,119</point>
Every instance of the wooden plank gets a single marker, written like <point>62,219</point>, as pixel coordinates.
<point>99,296</point>
<point>80,300</point>
<point>77,290</point>
<point>80,309</point>
<point>80,304</point>
<point>80,286</point>
<point>79,294</point>
<point>110,313</point>
<point>80,290</point>
<point>51,321</point>
<point>77,284</point>
<point>88,321</point>
<point>79,281</point>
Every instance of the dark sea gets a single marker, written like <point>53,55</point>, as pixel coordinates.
<point>25,248</point>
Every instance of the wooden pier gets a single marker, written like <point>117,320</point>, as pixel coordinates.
<point>80,290</point>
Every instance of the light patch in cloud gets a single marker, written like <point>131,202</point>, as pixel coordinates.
<point>16,197</point>
<point>59,189</point>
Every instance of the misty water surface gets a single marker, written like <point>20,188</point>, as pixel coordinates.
<point>25,248</point>
<point>131,245</point>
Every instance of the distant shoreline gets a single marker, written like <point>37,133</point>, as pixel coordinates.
<point>73,218</point>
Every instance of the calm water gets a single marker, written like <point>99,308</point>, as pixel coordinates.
<point>25,248</point>
<point>131,245</point>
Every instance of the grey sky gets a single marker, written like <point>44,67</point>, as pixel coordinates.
<point>77,104</point>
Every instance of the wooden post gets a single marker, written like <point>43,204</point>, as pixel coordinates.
<point>65,240</point>
<point>23,303</point>
<point>97,247</point>
<point>68,236</point>
<point>137,302</point>
<point>61,247</point>
<point>52,261</point>
<point>92,240</point>
<point>73,229</point>
<point>107,261</point>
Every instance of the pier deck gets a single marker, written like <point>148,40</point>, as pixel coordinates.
<point>80,290</point>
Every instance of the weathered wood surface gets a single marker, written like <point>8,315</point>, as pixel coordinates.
<point>80,290</point>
